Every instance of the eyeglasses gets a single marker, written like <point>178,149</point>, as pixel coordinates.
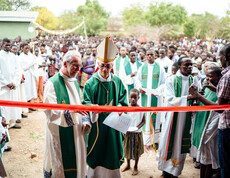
<point>75,65</point>
<point>108,66</point>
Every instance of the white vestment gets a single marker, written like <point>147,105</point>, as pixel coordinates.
<point>175,164</point>
<point>21,89</point>
<point>122,74</point>
<point>54,119</point>
<point>28,64</point>
<point>166,63</point>
<point>147,137</point>
<point>208,153</point>
<point>9,73</point>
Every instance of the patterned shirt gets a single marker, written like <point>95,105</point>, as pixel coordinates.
<point>223,91</point>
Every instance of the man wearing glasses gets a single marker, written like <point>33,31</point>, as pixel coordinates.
<point>105,150</point>
<point>150,76</point>
<point>65,148</point>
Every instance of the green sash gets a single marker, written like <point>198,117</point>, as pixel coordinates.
<point>202,120</point>
<point>118,60</point>
<point>186,142</point>
<point>155,81</point>
<point>66,133</point>
<point>128,71</point>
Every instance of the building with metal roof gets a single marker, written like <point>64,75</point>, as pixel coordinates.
<point>17,23</point>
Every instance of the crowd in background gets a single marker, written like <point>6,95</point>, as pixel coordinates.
<point>40,58</point>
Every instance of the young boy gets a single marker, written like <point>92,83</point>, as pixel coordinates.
<point>133,142</point>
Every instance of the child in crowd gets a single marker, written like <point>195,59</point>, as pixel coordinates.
<point>133,141</point>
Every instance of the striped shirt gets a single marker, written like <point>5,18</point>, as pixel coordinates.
<point>223,91</point>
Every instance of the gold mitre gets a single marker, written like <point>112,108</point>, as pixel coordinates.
<point>106,51</point>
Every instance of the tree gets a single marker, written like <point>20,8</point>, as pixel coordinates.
<point>45,18</point>
<point>69,19</point>
<point>13,5</point>
<point>159,14</point>
<point>96,18</point>
<point>133,15</point>
<point>206,26</point>
<point>189,28</point>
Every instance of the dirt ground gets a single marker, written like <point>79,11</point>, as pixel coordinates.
<point>30,139</point>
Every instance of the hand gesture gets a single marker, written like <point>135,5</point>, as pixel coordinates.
<point>142,91</point>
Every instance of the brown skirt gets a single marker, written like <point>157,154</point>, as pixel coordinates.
<point>133,145</point>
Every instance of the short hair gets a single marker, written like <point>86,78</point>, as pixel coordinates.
<point>6,40</point>
<point>69,54</point>
<point>226,51</point>
<point>132,50</point>
<point>181,60</point>
<point>135,91</point>
<point>175,64</point>
<point>22,45</point>
<point>216,70</point>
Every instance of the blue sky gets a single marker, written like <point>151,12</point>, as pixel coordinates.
<point>115,7</point>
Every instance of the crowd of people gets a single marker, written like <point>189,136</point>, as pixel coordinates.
<point>120,72</point>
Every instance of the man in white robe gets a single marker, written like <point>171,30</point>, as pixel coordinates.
<point>119,65</point>
<point>65,147</point>
<point>28,64</point>
<point>175,137</point>
<point>21,87</point>
<point>151,77</point>
<point>10,78</point>
<point>165,62</point>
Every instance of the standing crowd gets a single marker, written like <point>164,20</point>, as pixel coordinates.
<point>120,72</point>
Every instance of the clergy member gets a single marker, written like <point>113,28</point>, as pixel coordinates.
<point>105,150</point>
<point>205,130</point>
<point>131,68</point>
<point>150,76</point>
<point>65,147</point>
<point>28,64</point>
<point>10,78</point>
<point>175,137</point>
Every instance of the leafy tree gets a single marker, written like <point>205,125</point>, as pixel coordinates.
<point>133,15</point>
<point>159,14</point>
<point>96,18</point>
<point>224,27</point>
<point>69,19</point>
<point>206,26</point>
<point>189,28</point>
<point>13,5</point>
<point>45,17</point>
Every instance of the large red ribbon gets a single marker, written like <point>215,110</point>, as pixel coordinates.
<point>111,108</point>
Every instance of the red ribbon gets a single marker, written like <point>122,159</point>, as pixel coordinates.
<point>110,108</point>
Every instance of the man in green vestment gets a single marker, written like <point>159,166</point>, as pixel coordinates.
<point>205,130</point>
<point>65,147</point>
<point>105,150</point>
<point>175,137</point>
<point>131,68</point>
<point>151,77</point>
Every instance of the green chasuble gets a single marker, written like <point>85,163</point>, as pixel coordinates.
<point>118,60</point>
<point>66,133</point>
<point>128,71</point>
<point>104,143</point>
<point>202,120</point>
<point>186,142</point>
<point>155,81</point>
